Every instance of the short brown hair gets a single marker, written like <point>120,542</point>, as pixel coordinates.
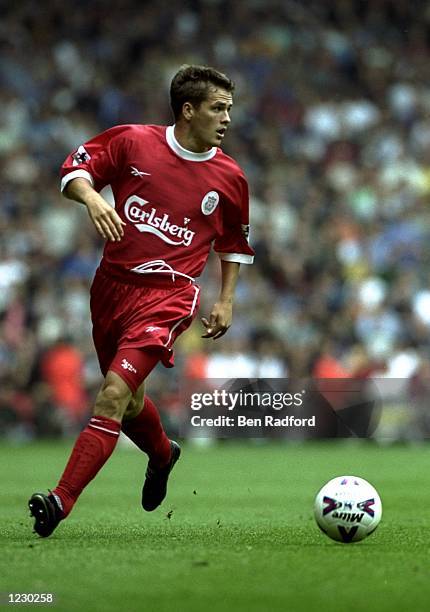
<point>192,84</point>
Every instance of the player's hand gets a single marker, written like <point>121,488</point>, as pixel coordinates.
<point>219,320</point>
<point>105,218</point>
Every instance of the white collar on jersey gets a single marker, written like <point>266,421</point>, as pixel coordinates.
<point>184,153</point>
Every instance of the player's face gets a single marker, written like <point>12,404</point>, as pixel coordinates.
<point>210,120</point>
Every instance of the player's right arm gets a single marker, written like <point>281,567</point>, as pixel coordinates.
<point>91,167</point>
<point>105,218</point>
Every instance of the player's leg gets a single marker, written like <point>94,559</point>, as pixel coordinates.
<point>145,429</point>
<point>142,424</point>
<point>96,442</point>
<point>92,449</point>
<point>135,405</point>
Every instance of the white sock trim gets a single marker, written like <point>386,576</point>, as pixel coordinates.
<point>114,433</point>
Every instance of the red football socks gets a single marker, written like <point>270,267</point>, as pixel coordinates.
<point>92,449</point>
<point>96,443</point>
<point>147,432</point>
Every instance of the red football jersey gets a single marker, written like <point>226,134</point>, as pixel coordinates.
<point>175,203</point>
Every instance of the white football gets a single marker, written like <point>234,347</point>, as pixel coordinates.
<point>348,509</point>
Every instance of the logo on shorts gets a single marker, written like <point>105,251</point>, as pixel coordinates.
<point>160,226</point>
<point>152,328</point>
<point>210,202</point>
<point>127,366</point>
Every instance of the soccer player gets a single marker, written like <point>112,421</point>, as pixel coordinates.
<point>176,193</point>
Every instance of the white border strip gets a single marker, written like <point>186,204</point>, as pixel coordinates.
<point>237,257</point>
<point>197,291</point>
<point>114,433</point>
<point>184,153</point>
<point>76,174</point>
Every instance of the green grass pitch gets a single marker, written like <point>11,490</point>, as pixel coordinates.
<point>236,532</point>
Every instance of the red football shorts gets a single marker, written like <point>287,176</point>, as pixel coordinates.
<point>151,314</point>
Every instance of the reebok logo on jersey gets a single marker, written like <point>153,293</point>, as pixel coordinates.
<point>148,221</point>
<point>136,172</point>
<point>127,366</point>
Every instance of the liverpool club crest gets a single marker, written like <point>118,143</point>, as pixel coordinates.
<point>210,202</point>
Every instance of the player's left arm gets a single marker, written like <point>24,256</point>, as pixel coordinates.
<point>221,314</point>
<point>233,249</point>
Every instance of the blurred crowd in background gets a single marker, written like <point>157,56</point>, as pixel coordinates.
<point>331,125</point>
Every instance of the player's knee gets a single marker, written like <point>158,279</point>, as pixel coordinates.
<point>135,405</point>
<point>132,410</point>
<point>112,400</point>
